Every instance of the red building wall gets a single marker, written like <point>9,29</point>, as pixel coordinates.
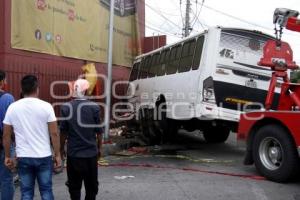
<point>48,68</point>
<point>155,42</point>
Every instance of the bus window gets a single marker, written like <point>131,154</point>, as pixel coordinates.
<point>147,65</point>
<point>154,65</point>
<point>198,53</point>
<point>134,71</point>
<point>187,56</point>
<point>174,59</point>
<point>161,71</point>
<point>239,41</point>
<point>143,67</point>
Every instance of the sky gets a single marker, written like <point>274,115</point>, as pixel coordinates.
<point>165,17</point>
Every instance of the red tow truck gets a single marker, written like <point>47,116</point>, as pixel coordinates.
<point>273,136</point>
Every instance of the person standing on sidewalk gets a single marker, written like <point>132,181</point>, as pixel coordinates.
<point>33,123</point>
<point>81,128</point>
<point>6,176</point>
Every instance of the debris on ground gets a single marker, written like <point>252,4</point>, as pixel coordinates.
<point>103,162</point>
<point>133,151</point>
<point>139,150</point>
<point>126,153</point>
<point>123,177</point>
<point>116,132</point>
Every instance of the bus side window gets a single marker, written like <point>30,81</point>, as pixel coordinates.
<point>198,53</point>
<point>153,65</point>
<point>174,59</point>
<point>134,72</point>
<point>147,65</point>
<point>161,68</point>
<point>143,69</point>
<point>187,56</point>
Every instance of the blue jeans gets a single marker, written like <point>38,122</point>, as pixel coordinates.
<point>6,179</point>
<point>30,169</point>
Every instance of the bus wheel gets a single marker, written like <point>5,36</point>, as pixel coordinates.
<point>166,128</point>
<point>170,130</point>
<point>148,129</point>
<point>216,134</point>
<point>275,155</point>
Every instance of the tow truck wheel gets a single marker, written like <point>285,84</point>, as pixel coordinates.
<point>275,154</point>
<point>216,134</point>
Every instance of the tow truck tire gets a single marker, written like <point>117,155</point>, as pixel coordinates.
<point>274,153</point>
<point>216,134</point>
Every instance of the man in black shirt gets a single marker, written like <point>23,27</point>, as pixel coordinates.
<point>81,129</point>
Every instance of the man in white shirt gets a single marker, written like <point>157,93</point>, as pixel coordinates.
<point>33,123</point>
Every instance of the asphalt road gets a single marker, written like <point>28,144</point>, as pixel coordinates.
<point>190,169</point>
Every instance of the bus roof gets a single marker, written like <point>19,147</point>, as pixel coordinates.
<point>202,33</point>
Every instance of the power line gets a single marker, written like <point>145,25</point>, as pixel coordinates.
<point>198,15</point>
<point>201,23</point>
<point>239,19</point>
<point>157,29</point>
<point>163,32</point>
<point>160,14</point>
<point>182,20</point>
<point>169,14</point>
<point>234,17</point>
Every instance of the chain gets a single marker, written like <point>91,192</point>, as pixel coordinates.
<point>278,34</point>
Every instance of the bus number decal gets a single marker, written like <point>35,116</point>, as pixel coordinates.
<point>227,53</point>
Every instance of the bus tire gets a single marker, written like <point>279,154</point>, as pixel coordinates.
<point>216,134</point>
<point>166,128</point>
<point>274,153</point>
<point>148,129</point>
<point>170,130</point>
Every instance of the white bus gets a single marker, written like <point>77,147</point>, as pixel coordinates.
<point>202,82</point>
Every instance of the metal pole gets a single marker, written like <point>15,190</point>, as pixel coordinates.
<point>187,27</point>
<point>109,70</point>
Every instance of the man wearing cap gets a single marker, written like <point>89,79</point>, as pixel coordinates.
<point>80,126</point>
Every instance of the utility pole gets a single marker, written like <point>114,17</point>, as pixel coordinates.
<point>187,26</point>
<point>109,69</point>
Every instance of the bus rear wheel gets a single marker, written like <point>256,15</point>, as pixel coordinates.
<point>216,134</point>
